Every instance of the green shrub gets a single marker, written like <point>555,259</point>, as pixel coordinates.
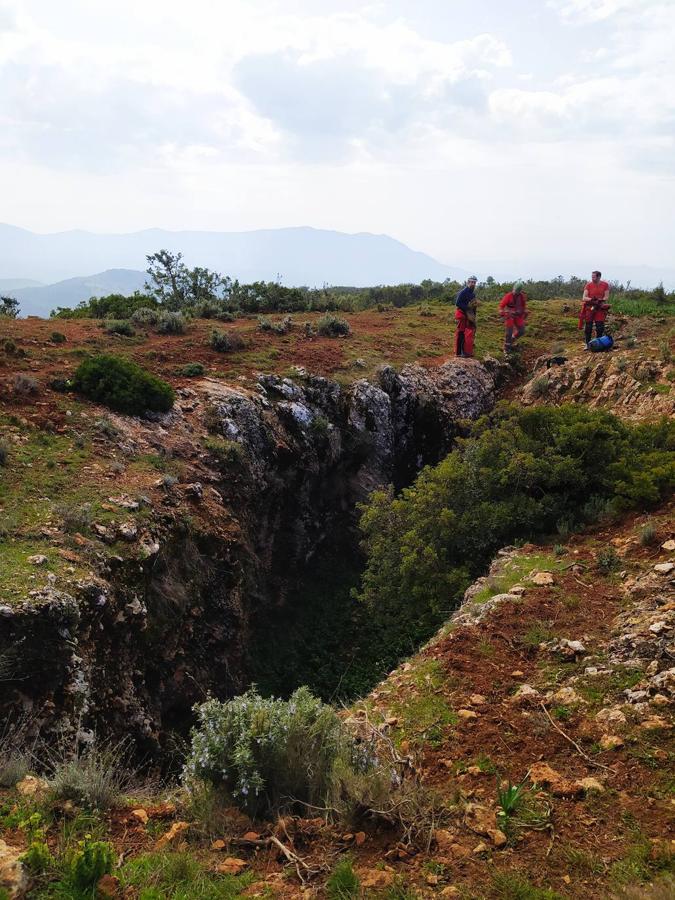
<point>271,755</point>
<point>94,778</point>
<point>343,883</point>
<point>206,309</point>
<point>608,561</point>
<point>89,863</point>
<point>10,347</point>
<point>226,315</point>
<point>283,326</point>
<point>123,328</point>
<point>521,473</point>
<point>122,385</point>
<point>192,370</point>
<point>648,534</point>
<point>145,316</point>
<point>25,385</point>
<point>264,324</point>
<point>57,337</point>
<point>540,386</point>
<point>332,326</point>
<point>228,453</point>
<point>75,517</point>
<point>170,322</point>
<point>225,341</point>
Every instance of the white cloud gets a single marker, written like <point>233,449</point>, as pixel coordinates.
<point>584,11</point>
<point>252,113</point>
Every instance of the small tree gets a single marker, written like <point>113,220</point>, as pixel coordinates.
<point>9,307</point>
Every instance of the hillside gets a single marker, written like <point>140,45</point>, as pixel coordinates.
<point>148,561</point>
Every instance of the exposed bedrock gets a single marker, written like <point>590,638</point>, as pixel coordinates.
<point>131,649</point>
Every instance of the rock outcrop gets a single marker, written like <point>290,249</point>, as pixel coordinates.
<point>269,471</point>
<point>631,387</point>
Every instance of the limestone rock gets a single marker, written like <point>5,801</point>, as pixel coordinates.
<point>232,865</point>
<point>39,559</point>
<point>541,773</point>
<point>664,568</point>
<point>170,837</point>
<point>542,578</point>
<point>30,786</point>
<point>611,717</point>
<point>526,694</point>
<point>611,742</point>
<point>483,820</point>
<point>12,875</point>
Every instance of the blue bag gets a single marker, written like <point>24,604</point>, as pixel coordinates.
<point>599,345</point>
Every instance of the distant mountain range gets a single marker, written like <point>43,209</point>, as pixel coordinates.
<point>41,300</point>
<point>298,256</point>
<point>45,270</point>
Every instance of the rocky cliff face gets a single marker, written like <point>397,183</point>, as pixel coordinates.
<point>269,472</point>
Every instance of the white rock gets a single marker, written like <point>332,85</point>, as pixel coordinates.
<point>38,560</point>
<point>664,568</point>
<point>668,545</point>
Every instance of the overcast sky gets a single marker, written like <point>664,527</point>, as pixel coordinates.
<point>470,129</point>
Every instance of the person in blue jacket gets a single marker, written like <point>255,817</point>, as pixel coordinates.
<point>465,316</point>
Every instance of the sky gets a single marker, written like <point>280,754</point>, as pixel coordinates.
<point>469,129</point>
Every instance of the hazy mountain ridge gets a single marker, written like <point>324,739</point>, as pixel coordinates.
<point>297,256</point>
<point>41,300</point>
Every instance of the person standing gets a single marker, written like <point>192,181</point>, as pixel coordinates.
<point>465,316</point>
<point>594,307</point>
<point>513,307</point>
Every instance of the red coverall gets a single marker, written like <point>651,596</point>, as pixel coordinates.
<point>464,335</point>
<point>513,308</point>
<point>594,310</point>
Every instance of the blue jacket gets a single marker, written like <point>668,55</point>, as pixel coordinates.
<point>465,296</point>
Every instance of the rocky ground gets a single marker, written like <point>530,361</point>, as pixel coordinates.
<point>555,678</point>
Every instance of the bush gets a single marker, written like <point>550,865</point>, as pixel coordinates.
<point>332,326</point>
<point>270,755</point>
<point>94,778</point>
<point>58,337</point>
<point>122,386</point>
<point>10,347</point>
<point>648,534</point>
<point>264,324</point>
<point>226,452</point>
<point>206,309</point>
<point>16,750</point>
<point>284,326</point>
<point>225,341</point>
<point>25,384</point>
<point>170,322</point>
<point>192,370</point>
<point>608,561</point>
<point>540,386</point>
<point>88,864</point>
<point>521,473</point>
<point>122,328</point>
<point>145,316</point>
<point>75,518</point>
